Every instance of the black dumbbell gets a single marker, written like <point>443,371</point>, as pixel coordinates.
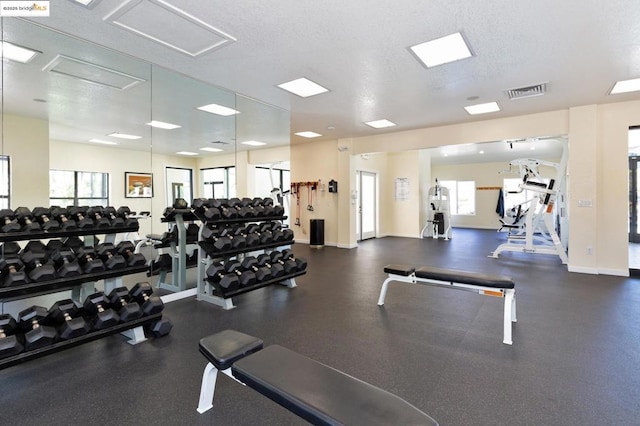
<point>10,249</point>
<point>246,277</point>
<point>102,316</point>
<point>276,268</point>
<point>125,213</point>
<point>192,233</point>
<point>26,220</point>
<point>10,343</point>
<point>141,293</point>
<point>278,210</point>
<point>160,328</point>
<point>37,334</point>
<point>264,233</point>
<point>112,260</point>
<point>287,234</point>
<point>65,262</point>
<point>276,232</point>
<point>262,273</point>
<point>266,201</point>
<point>96,213</point>
<point>88,260</point>
<point>110,213</point>
<point>255,205</point>
<point>121,301</point>
<point>204,206</point>
<point>289,265</point>
<point>53,245</point>
<point>180,204</point>
<point>66,314</point>
<point>238,242</point>
<point>12,272</point>
<point>37,266</point>
<point>220,242</point>
<point>8,221</point>
<point>61,215</point>
<point>79,214</point>
<point>127,250</point>
<point>74,243</point>
<point>244,211</point>
<point>43,217</point>
<point>221,279</point>
<point>301,262</point>
<point>251,239</point>
<point>162,262</point>
<point>225,211</point>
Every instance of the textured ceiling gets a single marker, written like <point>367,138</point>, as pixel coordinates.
<point>358,50</point>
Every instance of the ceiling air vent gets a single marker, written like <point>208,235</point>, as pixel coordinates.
<point>527,92</point>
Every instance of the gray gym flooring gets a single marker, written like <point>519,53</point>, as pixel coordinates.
<point>575,358</point>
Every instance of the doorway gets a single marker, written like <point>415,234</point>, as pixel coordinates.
<point>366,207</point>
<point>634,201</point>
<point>179,184</point>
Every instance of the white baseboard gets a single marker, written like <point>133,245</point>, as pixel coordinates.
<point>614,272</point>
<point>347,246</point>
<point>582,270</point>
<point>596,271</point>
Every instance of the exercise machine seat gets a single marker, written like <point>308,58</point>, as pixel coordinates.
<point>321,394</point>
<point>396,269</point>
<point>464,277</point>
<point>226,347</point>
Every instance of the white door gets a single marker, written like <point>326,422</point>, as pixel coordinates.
<point>366,205</point>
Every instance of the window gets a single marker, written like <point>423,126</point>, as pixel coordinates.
<point>267,179</point>
<point>73,188</point>
<point>5,182</point>
<point>463,196</point>
<point>219,182</point>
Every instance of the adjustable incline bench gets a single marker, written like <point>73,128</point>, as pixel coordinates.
<point>319,394</point>
<point>488,285</point>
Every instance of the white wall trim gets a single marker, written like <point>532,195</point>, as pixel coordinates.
<point>179,295</point>
<point>614,272</point>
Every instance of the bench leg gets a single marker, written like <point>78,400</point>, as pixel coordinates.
<point>509,315</point>
<point>208,387</point>
<point>383,291</point>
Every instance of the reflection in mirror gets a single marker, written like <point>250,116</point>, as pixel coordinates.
<point>179,184</point>
<point>74,121</point>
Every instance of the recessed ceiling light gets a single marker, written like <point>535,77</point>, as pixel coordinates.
<point>533,148</point>
<point>442,50</point>
<point>253,143</point>
<point>308,134</point>
<point>103,142</point>
<point>303,87</point>
<point>186,153</point>
<point>162,125</point>
<point>124,136</point>
<point>482,108</point>
<point>481,152</point>
<point>218,109</point>
<point>211,149</point>
<point>380,124</point>
<point>87,3</point>
<point>625,86</point>
<point>17,53</point>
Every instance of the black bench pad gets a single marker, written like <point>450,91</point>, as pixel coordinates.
<point>396,269</point>
<point>320,394</point>
<point>465,277</point>
<point>226,347</point>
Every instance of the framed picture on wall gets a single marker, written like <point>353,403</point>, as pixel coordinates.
<point>138,185</point>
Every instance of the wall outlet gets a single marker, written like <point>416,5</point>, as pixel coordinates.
<point>589,250</point>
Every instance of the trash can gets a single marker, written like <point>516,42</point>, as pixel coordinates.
<point>316,239</point>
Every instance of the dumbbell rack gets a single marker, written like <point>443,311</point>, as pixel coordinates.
<point>178,250</point>
<point>205,291</point>
<point>81,286</point>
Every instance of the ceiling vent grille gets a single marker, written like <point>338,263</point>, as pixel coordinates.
<point>527,92</point>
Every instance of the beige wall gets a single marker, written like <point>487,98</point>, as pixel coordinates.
<point>26,141</point>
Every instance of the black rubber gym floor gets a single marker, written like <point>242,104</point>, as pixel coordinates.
<point>574,360</point>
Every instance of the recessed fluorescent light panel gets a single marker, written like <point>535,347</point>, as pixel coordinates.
<point>162,125</point>
<point>211,149</point>
<point>124,136</point>
<point>17,53</point>
<point>482,108</point>
<point>380,124</point>
<point>303,87</point>
<point>218,110</point>
<point>442,50</point>
<point>186,153</point>
<point>87,3</point>
<point>308,134</point>
<point>625,86</point>
<point>253,143</point>
<point>103,142</point>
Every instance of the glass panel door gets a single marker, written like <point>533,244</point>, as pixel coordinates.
<point>634,200</point>
<point>367,208</point>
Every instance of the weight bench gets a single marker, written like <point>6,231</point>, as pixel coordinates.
<point>488,285</point>
<point>319,394</point>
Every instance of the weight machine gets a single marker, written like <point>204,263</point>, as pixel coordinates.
<point>544,213</point>
<point>438,213</point>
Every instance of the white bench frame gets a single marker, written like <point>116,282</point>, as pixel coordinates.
<point>508,294</point>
